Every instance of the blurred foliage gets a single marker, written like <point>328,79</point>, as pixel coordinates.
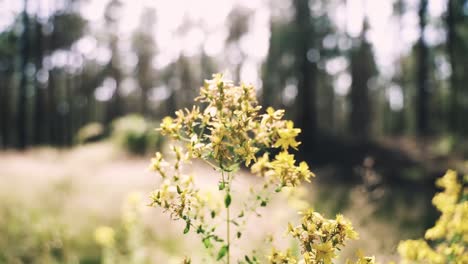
<point>91,132</point>
<point>43,235</point>
<point>128,242</point>
<point>40,234</point>
<point>447,240</point>
<point>135,135</point>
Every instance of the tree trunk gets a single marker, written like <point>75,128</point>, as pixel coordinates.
<point>362,69</point>
<point>52,109</point>
<point>5,111</point>
<point>423,74</point>
<point>114,106</point>
<point>22,97</point>
<point>454,111</point>
<point>39,120</point>
<point>306,119</point>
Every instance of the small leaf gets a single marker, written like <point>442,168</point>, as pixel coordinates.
<point>206,242</point>
<point>263,203</point>
<point>239,234</point>
<point>200,230</point>
<point>241,214</point>
<point>227,200</point>
<point>218,239</point>
<point>187,227</point>
<point>179,191</point>
<point>222,252</point>
<point>222,185</point>
<point>213,214</point>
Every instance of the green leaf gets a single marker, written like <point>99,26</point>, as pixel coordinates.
<point>263,203</point>
<point>179,191</point>
<point>239,234</point>
<point>213,214</point>
<point>206,242</point>
<point>227,200</point>
<point>218,239</point>
<point>221,185</point>
<point>187,227</point>
<point>241,214</point>
<point>200,230</point>
<point>222,252</point>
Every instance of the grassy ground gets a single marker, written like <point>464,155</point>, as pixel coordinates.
<point>85,187</point>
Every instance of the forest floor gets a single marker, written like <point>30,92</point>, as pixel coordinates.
<point>90,184</point>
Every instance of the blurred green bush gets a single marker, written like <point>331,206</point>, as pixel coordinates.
<point>91,132</point>
<point>35,235</point>
<point>135,135</point>
<point>44,235</point>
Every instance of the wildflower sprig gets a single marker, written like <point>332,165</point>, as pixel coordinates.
<point>450,233</point>
<point>226,130</point>
<point>319,239</point>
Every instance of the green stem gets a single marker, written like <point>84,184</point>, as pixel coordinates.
<point>228,216</point>
<point>228,234</point>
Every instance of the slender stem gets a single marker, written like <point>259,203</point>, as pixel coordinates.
<point>228,216</point>
<point>228,233</point>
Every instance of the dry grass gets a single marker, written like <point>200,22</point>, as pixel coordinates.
<point>91,183</point>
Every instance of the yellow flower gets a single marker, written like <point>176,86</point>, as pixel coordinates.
<point>278,257</point>
<point>168,127</point>
<point>324,252</point>
<point>304,171</point>
<point>261,166</point>
<point>271,115</point>
<point>346,227</point>
<point>450,233</point>
<point>287,136</point>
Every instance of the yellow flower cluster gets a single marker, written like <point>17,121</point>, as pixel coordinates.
<point>177,194</point>
<point>319,239</point>
<point>279,257</point>
<point>229,130</point>
<point>450,230</point>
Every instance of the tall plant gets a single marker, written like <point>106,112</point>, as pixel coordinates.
<point>226,131</point>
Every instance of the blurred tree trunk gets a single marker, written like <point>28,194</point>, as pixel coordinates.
<point>362,69</point>
<point>186,78</point>
<point>5,124</point>
<point>67,105</point>
<point>114,107</point>
<point>270,75</point>
<point>52,108</point>
<point>39,114</point>
<point>207,65</point>
<point>456,85</point>
<point>423,73</point>
<point>238,20</point>
<point>306,75</point>
<point>144,46</point>
<point>171,104</point>
<point>22,96</point>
